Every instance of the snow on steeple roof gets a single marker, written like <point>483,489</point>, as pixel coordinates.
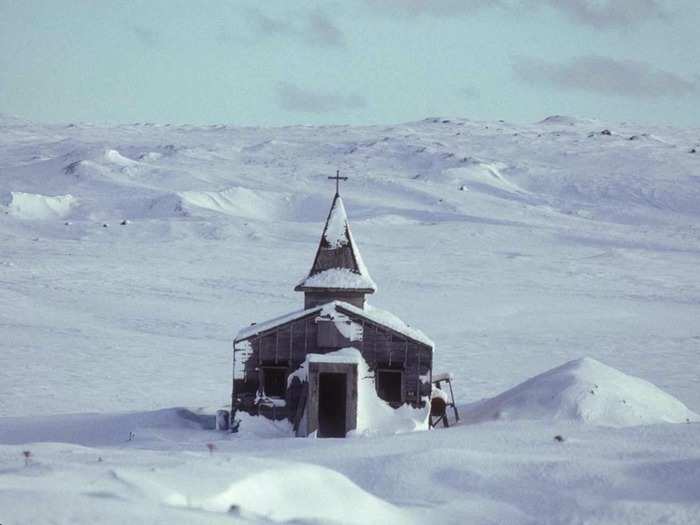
<point>338,264</point>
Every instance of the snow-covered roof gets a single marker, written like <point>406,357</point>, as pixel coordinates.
<point>256,328</point>
<point>335,308</point>
<point>339,278</point>
<point>338,264</point>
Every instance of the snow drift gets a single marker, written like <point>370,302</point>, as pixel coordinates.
<point>584,390</point>
<point>300,492</point>
<point>33,206</point>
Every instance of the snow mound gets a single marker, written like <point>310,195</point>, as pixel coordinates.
<point>237,201</point>
<point>486,176</point>
<point>584,390</point>
<point>113,156</point>
<point>564,120</point>
<point>33,206</point>
<point>255,204</point>
<point>300,492</point>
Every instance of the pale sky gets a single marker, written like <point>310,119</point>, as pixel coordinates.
<point>349,62</point>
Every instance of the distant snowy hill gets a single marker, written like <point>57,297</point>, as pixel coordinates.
<point>523,245</point>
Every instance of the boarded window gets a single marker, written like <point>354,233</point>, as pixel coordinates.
<point>389,385</point>
<point>274,381</point>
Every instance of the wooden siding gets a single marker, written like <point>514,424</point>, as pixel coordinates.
<point>288,344</point>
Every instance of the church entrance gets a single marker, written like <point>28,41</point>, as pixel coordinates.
<point>331,404</point>
<point>332,398</point>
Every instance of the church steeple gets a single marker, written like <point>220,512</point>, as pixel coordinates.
<point>338,272</point>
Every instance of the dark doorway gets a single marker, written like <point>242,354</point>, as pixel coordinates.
<point>332,393</point>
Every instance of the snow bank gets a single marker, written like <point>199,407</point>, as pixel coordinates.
<point>301,492</point>
<point>240,202</point>
<point>33,206</point>
<point>114,157</point>
<point>483,175</point>
<point>584,390</point>
<point>105,429</point>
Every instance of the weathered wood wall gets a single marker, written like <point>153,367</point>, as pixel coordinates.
<point>288,345</point>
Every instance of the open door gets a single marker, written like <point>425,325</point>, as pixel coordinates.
<point>332,394</point>
<point>332,399</point>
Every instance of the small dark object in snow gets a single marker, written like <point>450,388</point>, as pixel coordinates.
<point>235,510</point>
<point>105,225</point>
<point>606,132</point>
<point>463,188</point>
<point>693,150</point>
<point>27,457</point>
<point>633,137</point>
<point>559,438</point>
<point>67,223</point>
<point>124,222</point>
<point>211,447</point>
<point>99,459</point>
<point>132,436</point>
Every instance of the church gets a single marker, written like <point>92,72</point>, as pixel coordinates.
<point>308,365</point>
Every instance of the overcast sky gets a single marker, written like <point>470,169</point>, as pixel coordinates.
<point>353,61</point>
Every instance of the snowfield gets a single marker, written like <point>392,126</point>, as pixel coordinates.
<point>553,264</point>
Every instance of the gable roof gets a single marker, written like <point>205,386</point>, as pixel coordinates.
<point>338,264</point>
<point>338,308</point>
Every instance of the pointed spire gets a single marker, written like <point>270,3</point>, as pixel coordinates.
<point>338,264</point>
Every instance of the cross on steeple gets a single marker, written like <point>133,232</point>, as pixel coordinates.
<point>337,180</point>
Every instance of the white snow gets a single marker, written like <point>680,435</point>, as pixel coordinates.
<point>300,492</point>
<point>33,206</point>
<point>569,243</point>
<point>239,202</point>
<point>584,390</point>
<point>331,309</point>
<point>392,321</point>
<point>341,278</point>
<point>336,233</point>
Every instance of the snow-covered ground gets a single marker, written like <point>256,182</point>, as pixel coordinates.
<point>515,248</point>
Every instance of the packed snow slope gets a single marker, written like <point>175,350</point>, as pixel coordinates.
<point>584,390</point>
<point>515,248</point>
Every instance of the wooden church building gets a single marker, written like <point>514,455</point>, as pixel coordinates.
<point>290,367</point>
